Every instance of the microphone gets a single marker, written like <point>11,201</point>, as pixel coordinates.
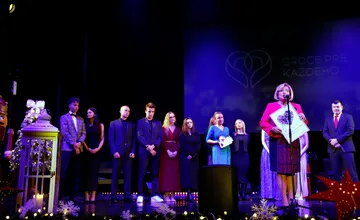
<point>287,96</point>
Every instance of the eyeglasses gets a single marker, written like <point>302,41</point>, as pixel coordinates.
<point>172,117</point>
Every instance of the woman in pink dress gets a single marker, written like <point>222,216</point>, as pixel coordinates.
<point>280,151</point>
<point>169,176</point>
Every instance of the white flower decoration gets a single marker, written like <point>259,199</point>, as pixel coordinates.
<point>263,211</point>
<point>126,215</point>
<point>30,103</point>
<point>27,207</point>
<point>40,104</point>
<point>68,208</point>
<point>164,210</point>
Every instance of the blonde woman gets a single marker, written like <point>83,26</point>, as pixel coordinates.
<point>240,157</point>
<point>280,150</point>
<point>169,176</point>
<point>220,155</point>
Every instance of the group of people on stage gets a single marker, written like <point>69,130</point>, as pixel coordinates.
<point>172,152</point>
<point>282,165</point>
<point>157,146</point>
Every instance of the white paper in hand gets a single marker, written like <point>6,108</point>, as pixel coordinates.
<point>225,141</point>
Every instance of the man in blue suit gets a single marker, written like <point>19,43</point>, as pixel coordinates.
<point>149,135</point>
<point>122,142</point>
<point>338,131</point>
<point>73,130</point>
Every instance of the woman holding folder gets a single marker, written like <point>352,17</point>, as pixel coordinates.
<point>284,160</point>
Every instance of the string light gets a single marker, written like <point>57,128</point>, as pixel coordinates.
<point>11,8</point>
<point>65,215</point>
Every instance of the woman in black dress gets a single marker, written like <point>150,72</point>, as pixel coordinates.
<point>240,157</point>
<point>190,144</point>
<point>94,142</point>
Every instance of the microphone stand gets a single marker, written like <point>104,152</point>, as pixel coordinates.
<point>294,206</point>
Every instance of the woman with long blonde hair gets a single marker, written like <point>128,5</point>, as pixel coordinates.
<point>240,157</point>
<point>220,154</point>
<point>169,175</point>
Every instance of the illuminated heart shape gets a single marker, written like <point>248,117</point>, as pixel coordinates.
<point>249,68</point>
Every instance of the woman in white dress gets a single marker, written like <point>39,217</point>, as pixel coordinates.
<point>301,177</point>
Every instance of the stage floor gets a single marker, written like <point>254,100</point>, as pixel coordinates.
<point>104,207</point>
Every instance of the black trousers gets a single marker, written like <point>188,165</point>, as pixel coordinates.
<point>70,174</point>
<point>341,160</point>
<point>146,160</point>
<point>124,163</point>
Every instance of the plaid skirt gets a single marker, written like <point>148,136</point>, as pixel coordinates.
<point>283,158</point>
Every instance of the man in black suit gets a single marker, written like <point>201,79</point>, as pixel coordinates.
<point>149,134</point>
<point>338,131</point>
<point>122,142</point>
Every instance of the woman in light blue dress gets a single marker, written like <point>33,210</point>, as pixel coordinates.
<point>220,156</point>
<point>268,184</point>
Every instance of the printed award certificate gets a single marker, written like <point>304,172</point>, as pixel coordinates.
<point>281,120</point>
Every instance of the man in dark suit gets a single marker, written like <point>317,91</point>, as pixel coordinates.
<point>73,130</point>
<point>149,135</point>
<point>122,142</point>
<point>338,131</point>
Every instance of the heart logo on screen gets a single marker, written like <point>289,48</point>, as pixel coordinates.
<point>249,68</point>
<point>284,119</point>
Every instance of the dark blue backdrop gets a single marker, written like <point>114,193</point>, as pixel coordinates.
<point>235,68</point>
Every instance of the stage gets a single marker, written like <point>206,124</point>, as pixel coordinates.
<point>104,208</point>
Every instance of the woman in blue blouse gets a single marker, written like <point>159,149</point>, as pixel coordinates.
<point>220,156</point>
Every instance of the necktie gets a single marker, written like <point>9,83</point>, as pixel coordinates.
<point>74,120</point>
<point>336,121</point>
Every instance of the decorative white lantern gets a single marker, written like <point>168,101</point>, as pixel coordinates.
<point>39,171</point>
